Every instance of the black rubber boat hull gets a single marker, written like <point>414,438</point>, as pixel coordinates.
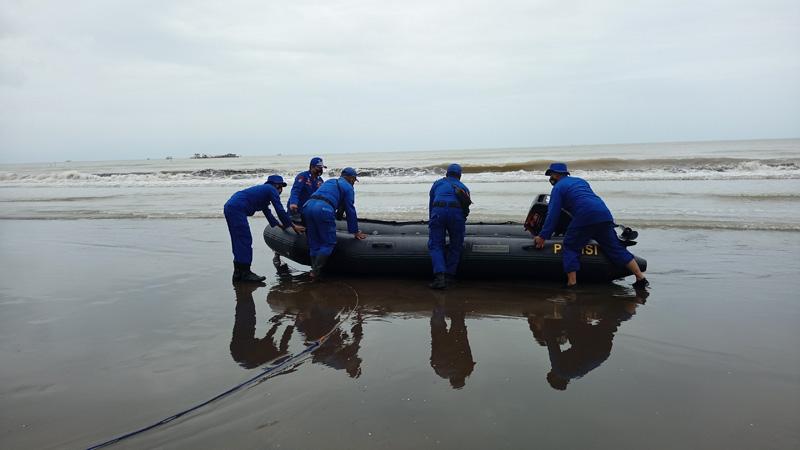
<point>490,251</point>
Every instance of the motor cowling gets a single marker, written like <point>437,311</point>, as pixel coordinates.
<point>538,213</point>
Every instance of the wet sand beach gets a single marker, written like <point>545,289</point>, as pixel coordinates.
<point>136,136</point>
<point>107,326</point>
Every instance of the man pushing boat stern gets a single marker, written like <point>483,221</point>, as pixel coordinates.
<point>591,219</point>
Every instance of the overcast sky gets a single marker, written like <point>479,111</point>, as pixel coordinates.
<point>135,79</point>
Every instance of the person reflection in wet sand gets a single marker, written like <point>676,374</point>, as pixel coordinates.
<point>588,328</point>
<point>340,350</point>
<point>451,356</point>
<point>246,349</point>
<point>318,310</point>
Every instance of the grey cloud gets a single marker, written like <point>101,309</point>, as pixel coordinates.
<point>362,75</point>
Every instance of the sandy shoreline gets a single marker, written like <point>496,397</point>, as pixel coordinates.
<point>106,326</point>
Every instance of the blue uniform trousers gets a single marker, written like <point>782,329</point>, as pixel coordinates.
<point>320,221</point>
<point>451,221</point>
<point>241,239</point>
<point>602,232</point>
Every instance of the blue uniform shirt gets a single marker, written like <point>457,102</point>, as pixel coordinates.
<point>302,188</point>
<point>259,198</point>
<point>341,194</point>
<point>442,191</point>
<point>574,195</point>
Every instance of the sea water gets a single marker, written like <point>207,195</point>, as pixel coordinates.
<point>744,185</point>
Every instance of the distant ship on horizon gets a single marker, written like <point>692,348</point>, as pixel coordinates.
<point>204,156</point>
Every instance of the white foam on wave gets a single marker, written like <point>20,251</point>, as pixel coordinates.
<point>159,179</point>
<point>739,171</point>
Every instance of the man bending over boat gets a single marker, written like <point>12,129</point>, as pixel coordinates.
<point>447,209</point>
<point>591,219</point>
<point>245,203</point>
<point>319,214</point>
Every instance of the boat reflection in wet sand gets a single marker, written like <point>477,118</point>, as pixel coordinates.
<point>576,328</point>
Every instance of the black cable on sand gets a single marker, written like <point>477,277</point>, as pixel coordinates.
<point>276,368</point>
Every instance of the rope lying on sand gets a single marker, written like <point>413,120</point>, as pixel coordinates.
<point>277,367</point>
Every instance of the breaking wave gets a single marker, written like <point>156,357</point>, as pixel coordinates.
<point>159,178</point>
<point>644,165</point>
<point>601,169</point>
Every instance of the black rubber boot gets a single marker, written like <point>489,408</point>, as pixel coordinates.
<point>318,262</point>
<point>450,278</point>
<point>439,281</point>
<point>250,276</point>
<point>242,273</point>
<point>314,270</point>
<point>641,284</point>
<point>281,266</point>
<point>237,272</point>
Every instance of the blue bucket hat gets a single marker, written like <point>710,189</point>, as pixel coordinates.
<point>454,169</point>
<point>557,168</point>
<point>277,180</point>
<point>350,172</point>
<point>317,161</point>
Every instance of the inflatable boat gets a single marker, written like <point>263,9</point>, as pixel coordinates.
<point>491,250</point>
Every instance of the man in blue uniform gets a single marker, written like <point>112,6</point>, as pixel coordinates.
<point>245,203</point>
<point>591,219</point>
<point>319,214</point>
<point>446,215</point>
<point>304,186</point>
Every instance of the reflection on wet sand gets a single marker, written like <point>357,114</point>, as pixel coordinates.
<point>340,351</point>
<point>575,327</point>
<point>588,328</point>
<point>246,349</point>
<point>451,357</point>
<point>306,311</point>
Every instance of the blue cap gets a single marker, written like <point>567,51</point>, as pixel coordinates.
<point>277,180</point>
<point>316,161</point>
<point>454,169</point>
<point>350,172</point>
<point>557,168</point>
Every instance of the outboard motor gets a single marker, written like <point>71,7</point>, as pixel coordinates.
<point>538,213</point>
